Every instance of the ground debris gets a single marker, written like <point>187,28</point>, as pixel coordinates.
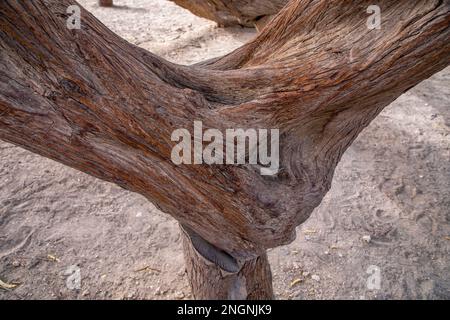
<point>309,231</point>
<point>295,282</point>
<point>179,295</point>
<point>52,258</point>
<point>8,286</point>
<point>148,269</point>
<point>315,277</point>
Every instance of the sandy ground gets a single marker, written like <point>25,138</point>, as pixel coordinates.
<point>392,185</point>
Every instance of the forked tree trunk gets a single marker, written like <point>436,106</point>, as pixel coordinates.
<point>234,12</point>
<point>105,3</point>
<point>92,101</point>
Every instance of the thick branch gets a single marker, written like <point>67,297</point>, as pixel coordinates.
<point>214,275</point>
<point>234,12</point>
<point>94,102</point>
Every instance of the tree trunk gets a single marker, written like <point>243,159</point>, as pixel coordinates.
<point>213,274</point>
<point>105,3</point>
<point>89,99</point>
<point>234,12</point>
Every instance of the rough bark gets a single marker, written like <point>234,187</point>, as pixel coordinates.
<point>213,274</point>
<point>234,12</point>
<point>92,101</point>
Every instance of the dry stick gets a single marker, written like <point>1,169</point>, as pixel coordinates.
<point>92,101</point>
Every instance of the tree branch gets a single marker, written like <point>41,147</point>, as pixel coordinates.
<point>92,101</point>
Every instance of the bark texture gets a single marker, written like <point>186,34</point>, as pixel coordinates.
<point>92,101</point>
<point>213,274</point>
<point>248,13</point>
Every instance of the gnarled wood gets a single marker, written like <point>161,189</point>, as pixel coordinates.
<point>234,12</point>
<point>92,101</point>
<point>214,275</point>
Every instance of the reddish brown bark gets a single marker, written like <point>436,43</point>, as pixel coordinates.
<point>92,101</point>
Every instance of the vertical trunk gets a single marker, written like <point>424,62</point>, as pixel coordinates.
<point>248,13</point>
<point>215,275</point>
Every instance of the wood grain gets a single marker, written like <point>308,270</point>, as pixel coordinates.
<point>91,100</point>
<point>248,13</point>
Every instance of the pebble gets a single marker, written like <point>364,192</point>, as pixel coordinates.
<point>366,239</point>
<point>159,291</point>
<point>315,277</point>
